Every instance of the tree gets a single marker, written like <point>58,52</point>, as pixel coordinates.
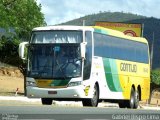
<point>155,76</point>
<point>8,51</point>
<point>22,15</point>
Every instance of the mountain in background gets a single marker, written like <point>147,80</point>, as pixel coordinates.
<point>151,26</point>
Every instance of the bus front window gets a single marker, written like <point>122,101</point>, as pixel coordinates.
<point>56,36</point>
<point>54,61</point>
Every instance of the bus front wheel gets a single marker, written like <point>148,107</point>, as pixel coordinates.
<point>46,101</point>
<point>93,102</point>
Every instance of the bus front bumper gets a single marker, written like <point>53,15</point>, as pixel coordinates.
<point>69,92</point>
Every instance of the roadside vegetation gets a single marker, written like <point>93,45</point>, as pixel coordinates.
<point>155,82</point>
<point>18,18</point>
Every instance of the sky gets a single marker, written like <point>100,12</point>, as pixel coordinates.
<point>59,11</point>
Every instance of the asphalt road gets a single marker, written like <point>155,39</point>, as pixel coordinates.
<point>75,113</point>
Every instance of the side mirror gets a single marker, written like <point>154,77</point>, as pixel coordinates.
<point>21,50</point>
<point>83,49</point>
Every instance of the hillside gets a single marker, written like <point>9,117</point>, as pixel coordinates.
<point>151,25</point>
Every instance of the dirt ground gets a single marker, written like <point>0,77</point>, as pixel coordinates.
<point>11,79</point>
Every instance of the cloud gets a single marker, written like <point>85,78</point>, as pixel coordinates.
<point>58,11</point>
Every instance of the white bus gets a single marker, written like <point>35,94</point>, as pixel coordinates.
<point>88,64</point>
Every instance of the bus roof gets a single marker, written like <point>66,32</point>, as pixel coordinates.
<point>97,29</point>
<point>63,27</point>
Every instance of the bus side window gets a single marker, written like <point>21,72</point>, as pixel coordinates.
<point>88,60</point>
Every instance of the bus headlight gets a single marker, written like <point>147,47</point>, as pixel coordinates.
<point>71,84</point>
<point>30,83</point>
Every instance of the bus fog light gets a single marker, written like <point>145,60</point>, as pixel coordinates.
<point>31,95</point>
<point>30,83</point>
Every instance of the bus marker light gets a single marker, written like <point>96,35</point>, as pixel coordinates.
<point>75,95</point>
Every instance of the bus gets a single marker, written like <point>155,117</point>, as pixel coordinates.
<point>86,63</point>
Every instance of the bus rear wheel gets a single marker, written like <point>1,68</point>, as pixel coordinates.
<point>136,104</point>
<point>46,101</point>
<point>93,102</point>
<point>133,103</point>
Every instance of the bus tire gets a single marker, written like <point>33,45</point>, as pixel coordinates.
<point>136,104</point>
<point>46,101</point>
<point>132,102</point>
<point>93,102</point>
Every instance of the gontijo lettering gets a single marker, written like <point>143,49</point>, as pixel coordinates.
<point>128,67</point>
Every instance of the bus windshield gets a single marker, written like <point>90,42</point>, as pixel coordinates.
<point>56,36</point>
<point>54,61</point>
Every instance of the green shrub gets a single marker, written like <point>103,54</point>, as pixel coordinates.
<point>155,76</point>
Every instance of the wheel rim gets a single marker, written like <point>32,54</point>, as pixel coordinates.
<point>132,100</point>
<point>95,96</point>
<point>136,99</point>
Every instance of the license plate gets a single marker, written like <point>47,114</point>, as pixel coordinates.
<point>52,92</point>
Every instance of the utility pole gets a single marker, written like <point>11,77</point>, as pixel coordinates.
<point>142,30</point>
<point>152,52</point>
<point>84,22</point>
